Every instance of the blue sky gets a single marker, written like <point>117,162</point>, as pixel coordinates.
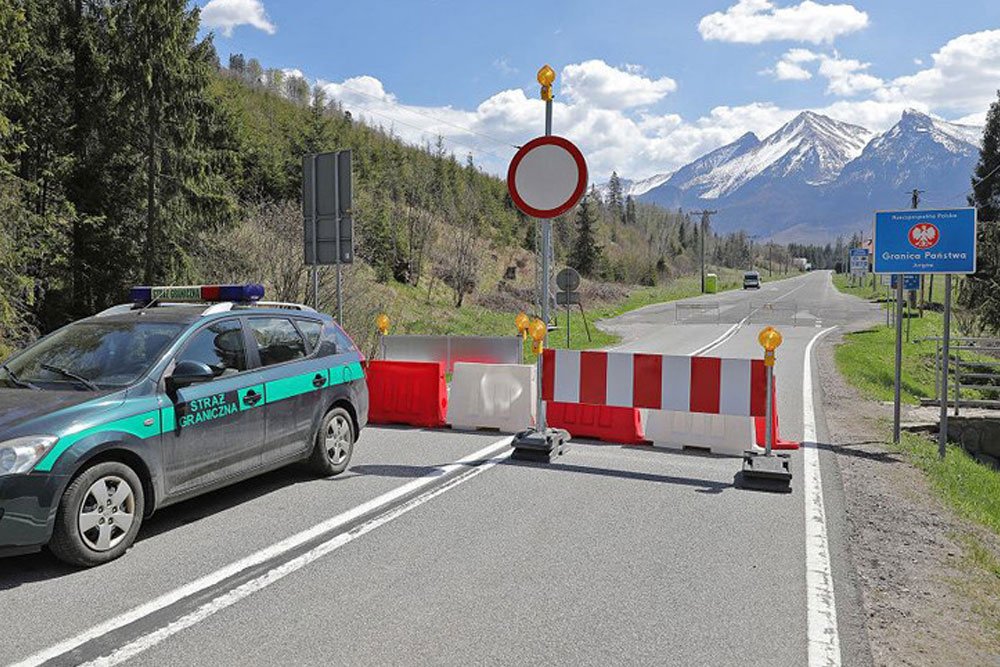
<point>644,86</point>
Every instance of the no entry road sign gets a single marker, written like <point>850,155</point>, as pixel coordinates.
<point>547,177</point>
<point>918,241</point>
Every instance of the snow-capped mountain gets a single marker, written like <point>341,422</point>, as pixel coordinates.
<point>816,177</point>
<point>635,188</point>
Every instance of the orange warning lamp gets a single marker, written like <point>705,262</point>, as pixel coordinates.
<point>382,322</point>
<point>546,77</point>
<point>537,329</point>
<point>769,338</point>
<point>522,322</point>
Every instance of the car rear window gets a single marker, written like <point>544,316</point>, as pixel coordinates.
<point>278,341</point>
<point>312,330</point>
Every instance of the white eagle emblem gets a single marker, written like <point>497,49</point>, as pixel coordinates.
<point>924,236</point>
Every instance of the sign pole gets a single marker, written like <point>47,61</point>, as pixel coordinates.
<point>899,358</point>
<point>945,344</point>
<point>336,209</point>
<point>315,239</point>
<point>546,279</point>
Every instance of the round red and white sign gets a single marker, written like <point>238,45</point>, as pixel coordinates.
<point>547,177</point>
<point>924,236</point>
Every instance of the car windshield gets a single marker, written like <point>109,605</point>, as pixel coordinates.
<point>88,354</point>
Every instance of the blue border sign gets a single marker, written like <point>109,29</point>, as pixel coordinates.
<point>919,241</point>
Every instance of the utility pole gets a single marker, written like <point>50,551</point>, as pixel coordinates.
<point>706,216</point>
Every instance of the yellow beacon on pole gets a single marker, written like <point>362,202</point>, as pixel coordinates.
<point>767,472</point>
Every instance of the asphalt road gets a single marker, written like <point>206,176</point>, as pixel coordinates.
<point>610,555</point>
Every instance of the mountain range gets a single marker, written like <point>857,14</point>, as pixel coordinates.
<point>816,177</point>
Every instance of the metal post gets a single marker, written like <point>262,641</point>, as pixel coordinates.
<point>567,322</point>
<point>545,282</point>
<point>336,209</point>
<point>943,422</point>
<point>768,414</point>
<point>899,358</point>
<point>315,240</point>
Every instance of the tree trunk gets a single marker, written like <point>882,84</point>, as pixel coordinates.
<point>151,222</point>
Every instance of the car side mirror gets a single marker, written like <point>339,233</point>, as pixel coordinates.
<point>187,373</point>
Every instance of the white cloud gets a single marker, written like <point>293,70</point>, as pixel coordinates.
<point>847,77</point>
<point>597,83</point>
<point>503,66</point>
<point>963,78</point>
<point>756,21</point>
<point>788,71</point>
<point>918,61</point>
<point>228,14</point>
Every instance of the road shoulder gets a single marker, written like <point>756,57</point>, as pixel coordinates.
<point>910,552</point>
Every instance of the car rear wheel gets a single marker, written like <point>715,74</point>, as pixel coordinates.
<point>99,515</point>
<point>334,443</point>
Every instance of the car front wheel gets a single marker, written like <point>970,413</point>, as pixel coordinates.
<point>99,515</point>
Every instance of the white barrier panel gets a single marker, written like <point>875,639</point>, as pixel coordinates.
<point>721,434</point>
<point>501,396</point>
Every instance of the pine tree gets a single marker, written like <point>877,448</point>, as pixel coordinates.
<point>978,292</point>
<point>586,255</point>
<point>630,216</point>
<point>614,200</point>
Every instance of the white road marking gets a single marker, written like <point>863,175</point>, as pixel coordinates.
<point>823,639</point>
<point>276,550</point>
<point>230,598</point>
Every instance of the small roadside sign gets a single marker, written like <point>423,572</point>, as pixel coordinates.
<point>931,241</point>
<point>911,282</point>
<point>859,261</point>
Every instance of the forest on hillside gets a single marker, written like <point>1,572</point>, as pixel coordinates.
<point>129,154</point>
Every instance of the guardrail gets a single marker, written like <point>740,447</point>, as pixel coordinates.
<point>452,349</point>
<point>772,312</point>
<point>697,313</point>
<point>981,374</point>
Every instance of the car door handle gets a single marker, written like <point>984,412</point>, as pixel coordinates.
<point>319,380</point>
<point>251,398</point>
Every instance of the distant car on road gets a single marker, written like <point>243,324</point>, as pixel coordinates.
<point>182,391</point>
<point>751,280</point>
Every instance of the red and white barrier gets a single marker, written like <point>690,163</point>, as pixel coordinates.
<point>656,382</point>
<point>707,402</point>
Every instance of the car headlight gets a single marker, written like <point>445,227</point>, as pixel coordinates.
<point>22,454</point>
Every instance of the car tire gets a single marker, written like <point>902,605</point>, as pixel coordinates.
<point>99,515</point>
<point>334,443</point>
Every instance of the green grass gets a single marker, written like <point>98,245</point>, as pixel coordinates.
<point>867,359</point>
<point>966,485</point>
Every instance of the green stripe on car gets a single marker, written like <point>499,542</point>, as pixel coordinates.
<point>142,426</point>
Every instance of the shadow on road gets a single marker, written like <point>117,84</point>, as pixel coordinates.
<point>701,485</point>
<point>847,449</point>
<point>398,471</point>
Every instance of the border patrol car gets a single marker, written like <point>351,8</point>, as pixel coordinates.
<point>183,391</point>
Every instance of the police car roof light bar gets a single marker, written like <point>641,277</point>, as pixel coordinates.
<point>247,293</point>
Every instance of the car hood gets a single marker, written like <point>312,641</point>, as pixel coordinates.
<point>24,411</point>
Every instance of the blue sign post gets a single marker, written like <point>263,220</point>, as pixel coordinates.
<point>925,242</point>
<point>918,241</point>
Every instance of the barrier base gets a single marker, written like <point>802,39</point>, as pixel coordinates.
<point>765,473</point>
<point>539,446</point>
